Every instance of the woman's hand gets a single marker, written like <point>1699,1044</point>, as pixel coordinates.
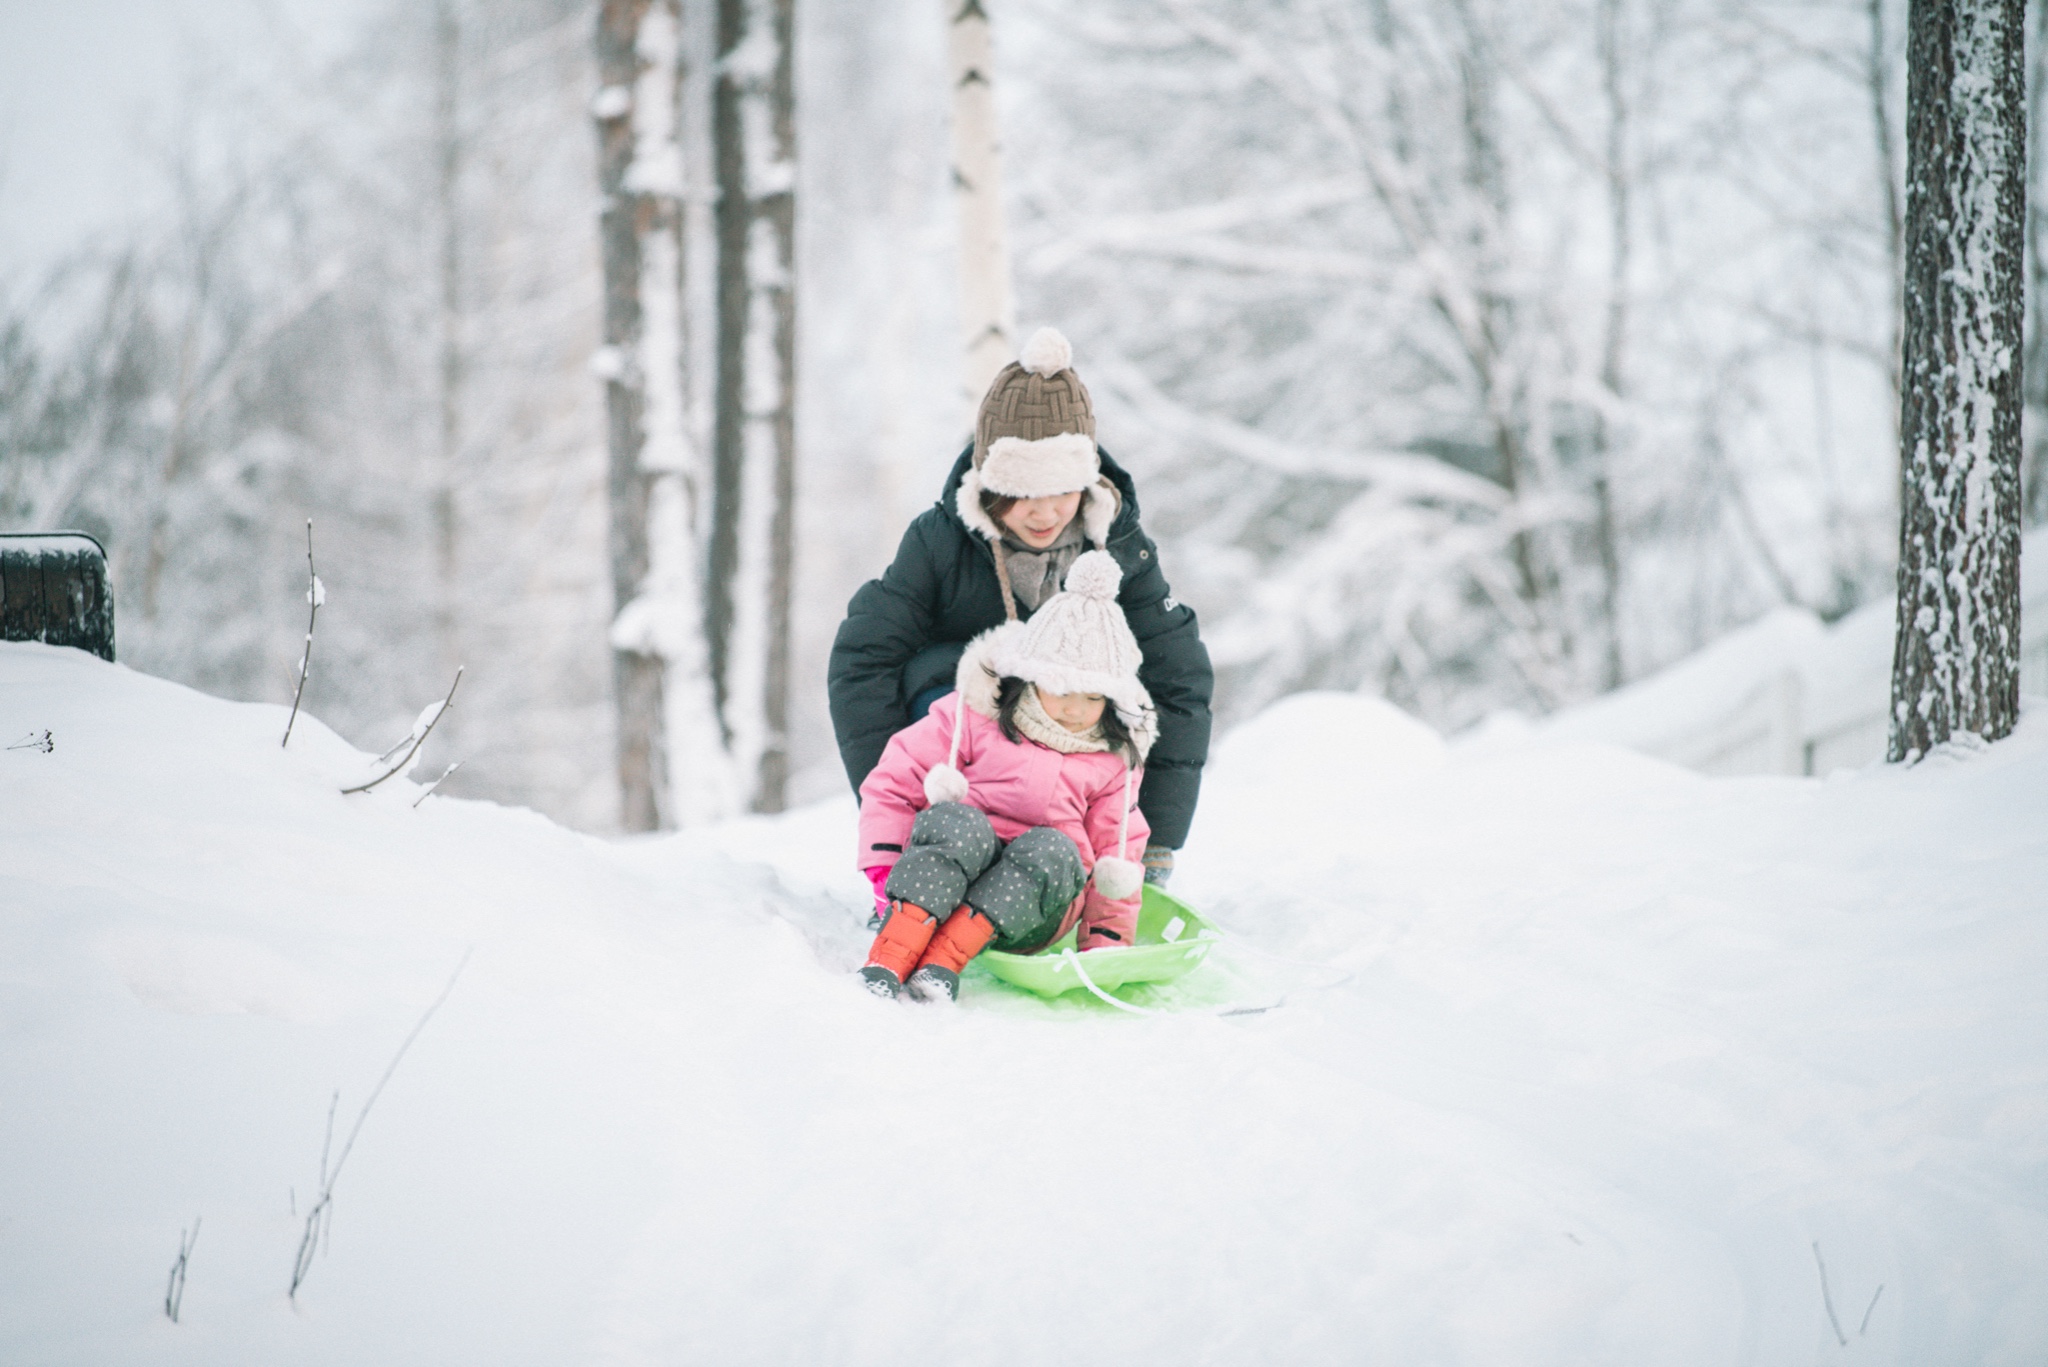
<point>1158,865</point>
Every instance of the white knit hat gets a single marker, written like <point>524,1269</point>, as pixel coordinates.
<point>1077,642</point>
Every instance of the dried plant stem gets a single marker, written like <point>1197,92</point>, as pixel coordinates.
<point>174,1294</point>
<point>318,1218</point>
<point>313,596</point>
<point>1827,1298</point>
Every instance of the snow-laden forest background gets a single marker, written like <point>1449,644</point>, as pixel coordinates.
<point>1478,355</point>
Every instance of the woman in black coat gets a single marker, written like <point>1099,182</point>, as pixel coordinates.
<point>1028,496</point>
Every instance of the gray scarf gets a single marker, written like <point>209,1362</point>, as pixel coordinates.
<point>1037,575</point>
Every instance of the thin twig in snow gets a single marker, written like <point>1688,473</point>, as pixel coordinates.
<point>309,1242</point>
<point>327,1144</point>
<point>417,741</point>
<point>1864,1327</point>
<point>437,783</point>
<point>316,593</point>
<point>174,1294</point>
<point>1827,1299</point>
<point>320,1217</point>
<point>35,740</point>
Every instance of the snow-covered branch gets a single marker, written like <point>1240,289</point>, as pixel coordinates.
<point>1393,471</point>
<point>316,594</point>
<point>422,727</point>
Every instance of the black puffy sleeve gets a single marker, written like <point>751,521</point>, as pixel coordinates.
<point>887,622</point>
<point>1177,674</point>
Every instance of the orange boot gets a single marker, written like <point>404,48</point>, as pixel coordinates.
<point>965,934</point>
<point>898,945</point>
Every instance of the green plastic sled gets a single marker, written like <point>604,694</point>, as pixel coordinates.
<point>1164,951</point>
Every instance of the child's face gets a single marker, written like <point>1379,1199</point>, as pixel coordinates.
<point>1075,711</point>
<point>1039,521</point>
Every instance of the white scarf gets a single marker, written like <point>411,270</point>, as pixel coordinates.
<point>1034,721</point>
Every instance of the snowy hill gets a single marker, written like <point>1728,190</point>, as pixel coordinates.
<point>1787,694</point>
<point>1584,1058</point>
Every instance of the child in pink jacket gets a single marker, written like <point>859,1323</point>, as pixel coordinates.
<point>1008,813</point>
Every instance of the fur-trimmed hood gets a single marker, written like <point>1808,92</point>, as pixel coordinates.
<point>1100,503</point>
<point>977,679</point>
<point>1108,506</point>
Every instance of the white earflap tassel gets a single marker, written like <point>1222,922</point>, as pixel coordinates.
<point>1117,879</point>
<point>946,784</point>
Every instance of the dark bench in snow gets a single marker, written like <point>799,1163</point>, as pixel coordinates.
<point>53,588</point>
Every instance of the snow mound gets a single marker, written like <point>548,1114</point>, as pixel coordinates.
<point>1785,694</point>
<point>1656,714</point>
<point>1581,1059</point>
<point>1314,739</point>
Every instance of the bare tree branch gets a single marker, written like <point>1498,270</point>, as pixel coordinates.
<point>419,738</point>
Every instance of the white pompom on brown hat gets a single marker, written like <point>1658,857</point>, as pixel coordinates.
<point>1034,436</point>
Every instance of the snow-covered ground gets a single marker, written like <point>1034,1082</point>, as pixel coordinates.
<point>1584,1058</point>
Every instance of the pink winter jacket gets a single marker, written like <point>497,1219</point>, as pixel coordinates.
<point>1017,786</point>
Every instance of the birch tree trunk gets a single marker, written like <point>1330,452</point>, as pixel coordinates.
<point>1608,38</point>
<point>448,187</point>
<point>752,550</point>
<point>636,674</point>
<point>1955,663</point>
<point>771,425</point>
<point>988,311</point>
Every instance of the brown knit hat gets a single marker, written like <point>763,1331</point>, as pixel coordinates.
<point>1036,399</point>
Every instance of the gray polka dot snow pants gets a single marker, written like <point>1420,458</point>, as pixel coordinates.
<point>1024,887</point>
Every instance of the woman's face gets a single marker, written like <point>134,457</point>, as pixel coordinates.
<point>1038,522</point>
<point>1075,712</point>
